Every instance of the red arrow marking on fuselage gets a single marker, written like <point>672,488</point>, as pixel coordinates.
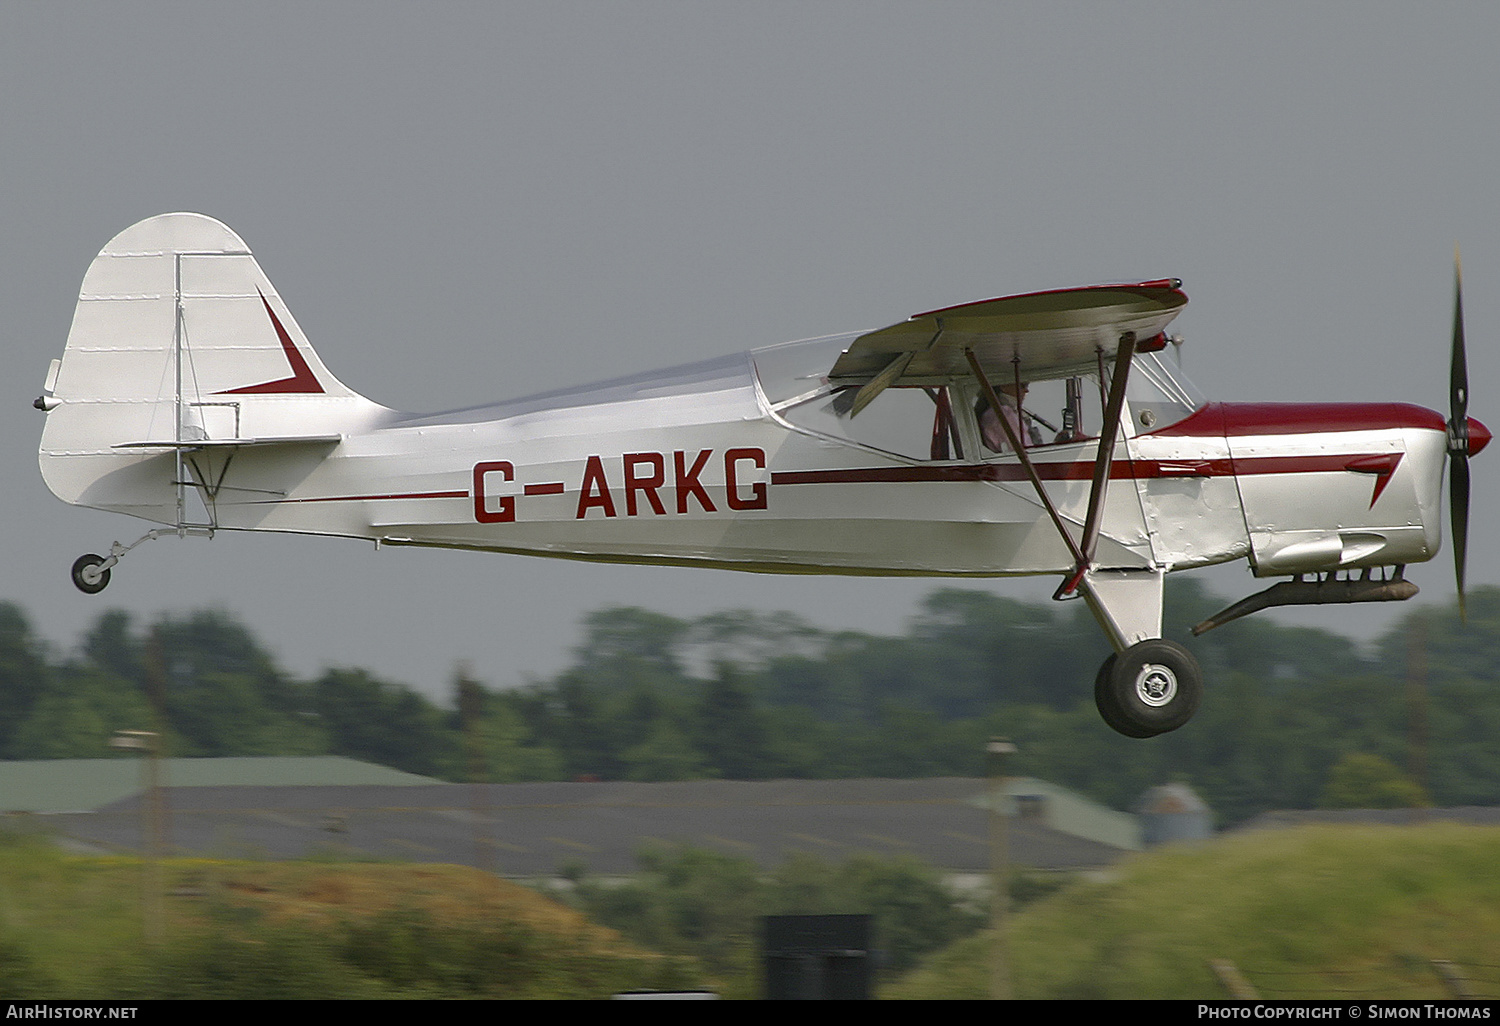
<point>302,379</point>
<point>1381,466</point>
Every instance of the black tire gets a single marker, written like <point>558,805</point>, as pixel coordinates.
<point>87,578</point>
<point>1104,700</point>
<point>1153,687</point>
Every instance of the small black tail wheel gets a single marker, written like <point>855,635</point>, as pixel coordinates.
<point>1152,688</point>
<point>88,577</point>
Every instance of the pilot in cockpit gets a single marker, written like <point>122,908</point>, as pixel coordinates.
<point>1013,400</point>
<point>990,431</point>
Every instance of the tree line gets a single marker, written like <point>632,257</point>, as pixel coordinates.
<point>1290,714</point>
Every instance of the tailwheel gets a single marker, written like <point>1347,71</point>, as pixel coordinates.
<point>90,575</point>
<point>1150,688</point>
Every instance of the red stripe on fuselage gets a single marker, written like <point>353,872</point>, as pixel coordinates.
<point>1120,469</point>
<point>1234,420</point>
<point>368,498</point>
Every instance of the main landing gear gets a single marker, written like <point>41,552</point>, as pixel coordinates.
<point>1150,688</point>
<point>1150,685</point>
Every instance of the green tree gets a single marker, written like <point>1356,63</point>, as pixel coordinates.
<point>24,674</point>
<point>223,692</point>
<point>78,715</point>
<point>665,754</point>
<point>914,912</point>
<point>627,646</point>
<point>691,901</point>
<point>1364,781</point>
<point>371,719</point>
<point>498,745</point>
<point>730,732</point>
<point>111,647</point>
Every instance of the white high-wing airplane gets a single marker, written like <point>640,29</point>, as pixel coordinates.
<point>188,396</point>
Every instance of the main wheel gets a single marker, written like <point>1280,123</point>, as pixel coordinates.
<point>1104,700</point>
<point>1153,687</point>
<point>87,575</point>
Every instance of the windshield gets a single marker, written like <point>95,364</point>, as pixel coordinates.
<point>1159,395</point>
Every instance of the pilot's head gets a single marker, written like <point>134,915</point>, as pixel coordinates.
<point>1011,390</point>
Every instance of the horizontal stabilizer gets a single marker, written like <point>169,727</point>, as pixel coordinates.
<point>231,443</point>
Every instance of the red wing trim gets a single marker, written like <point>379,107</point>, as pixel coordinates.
<point>303,380</point>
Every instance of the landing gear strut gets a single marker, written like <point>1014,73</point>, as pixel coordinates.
<point>91,572</point>
<point>1150,688</point>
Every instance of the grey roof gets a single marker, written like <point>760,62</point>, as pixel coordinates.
<point>535,829</point>
<point>77,785</point>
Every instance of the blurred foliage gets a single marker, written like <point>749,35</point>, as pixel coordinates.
<point>708,906</point>
<point>73,926</point>
<point>744,695</point>
<point>1352,913</point>
<point>1362,781</point>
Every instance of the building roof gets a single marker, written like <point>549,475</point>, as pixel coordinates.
<point>540,828</point>
<point>80,785</point>
<point>1072,813</point>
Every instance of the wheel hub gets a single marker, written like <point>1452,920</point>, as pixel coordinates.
<point>1156,685</point>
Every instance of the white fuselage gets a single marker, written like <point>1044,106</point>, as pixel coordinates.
<point>702,466</point>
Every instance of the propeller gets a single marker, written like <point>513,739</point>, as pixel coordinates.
<point>1458,437</point>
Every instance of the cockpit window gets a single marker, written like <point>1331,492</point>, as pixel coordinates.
<point>1158,395</point>
<point>947,422</point>
<point>918,423</point>
<point>794,371</point>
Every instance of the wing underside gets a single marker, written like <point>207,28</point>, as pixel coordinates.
<point>1038,336</point>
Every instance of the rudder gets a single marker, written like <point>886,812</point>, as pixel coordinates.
<point>178,337</point>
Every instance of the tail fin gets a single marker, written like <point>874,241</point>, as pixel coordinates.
<point>178,338</point>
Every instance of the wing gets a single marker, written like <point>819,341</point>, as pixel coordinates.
<point>1040,335</point>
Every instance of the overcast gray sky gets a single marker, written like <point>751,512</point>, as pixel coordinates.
<point>463,202</point>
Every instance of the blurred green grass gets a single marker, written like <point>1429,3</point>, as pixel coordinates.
<point>73,926</point>
<point>1309,912</point>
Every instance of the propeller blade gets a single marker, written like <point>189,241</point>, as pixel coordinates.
<point>1458,368</point>
<point>1458,437</point>
<point>1458,512</point>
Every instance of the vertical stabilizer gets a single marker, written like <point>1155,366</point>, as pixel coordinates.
<point>178,338</point>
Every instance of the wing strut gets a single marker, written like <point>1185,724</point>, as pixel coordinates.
<point>1083,554</point>
<point>1020,450</point>
<point>1102,463</point>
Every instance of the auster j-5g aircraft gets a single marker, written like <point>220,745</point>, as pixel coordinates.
<point>188,396</point>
